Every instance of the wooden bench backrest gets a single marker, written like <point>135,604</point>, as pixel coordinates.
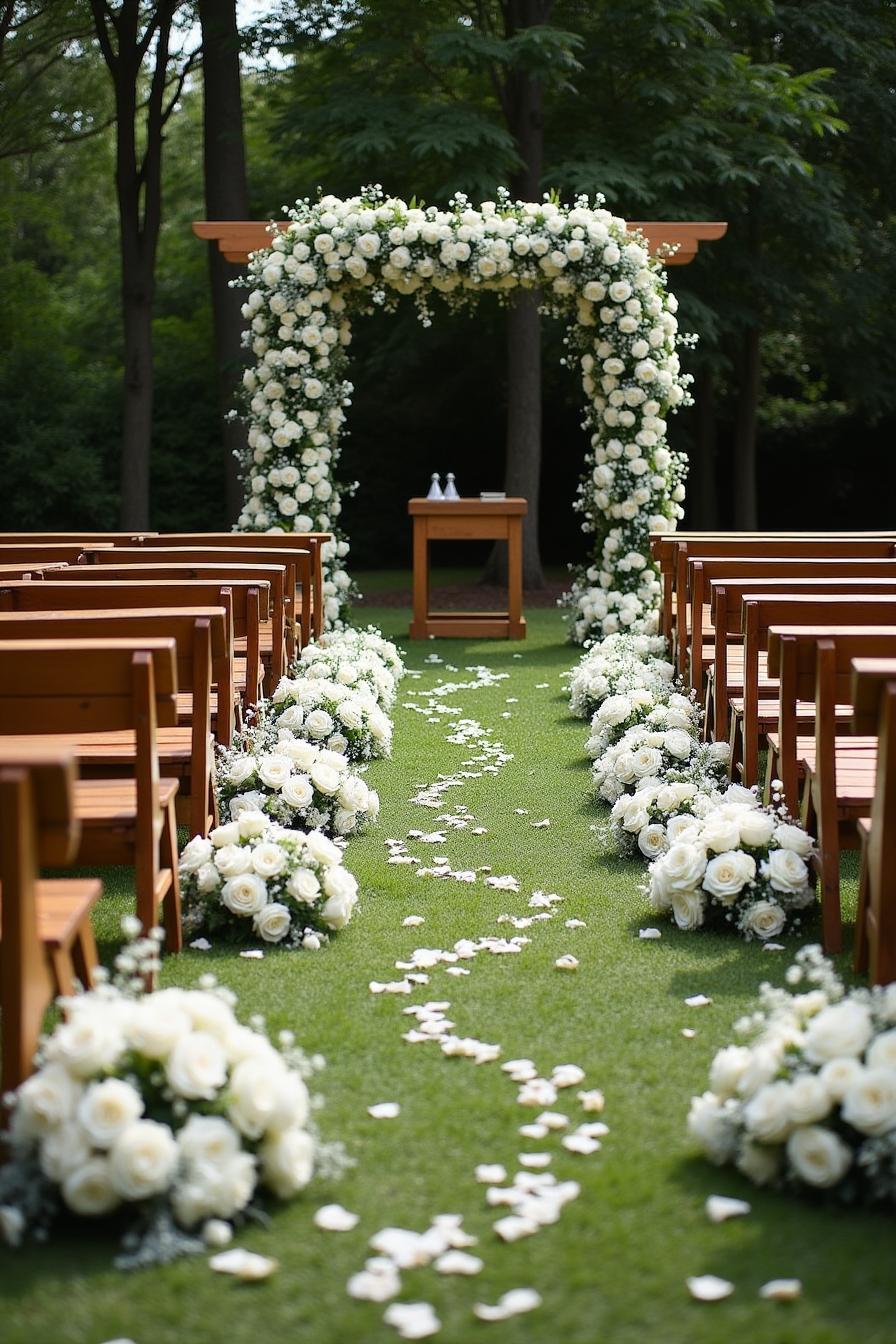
<point>82,685</point>
<point>870,679</point>
<point>70,538</point>
<point>53,771</point>
<point>106,594</point>
<point>14,571</point>
<point>38,552</point>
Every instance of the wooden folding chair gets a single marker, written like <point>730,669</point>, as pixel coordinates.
<point>874,699</point>
<point>87,693</point>
<point>46,940</point>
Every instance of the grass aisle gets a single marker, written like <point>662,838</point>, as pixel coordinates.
<point>614,1267</point>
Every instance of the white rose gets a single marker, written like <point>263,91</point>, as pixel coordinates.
<point>231,860</point>
<point>684,866</point>
<point>241,768</point>
<point>197,1067</point>
<point>678,743</point>
<point>344,822</point>
<point>809,1099</point>
<point>760,1163</point>
<point>756,828</point>
<point>89,1043</point>
<point>767,1113</point>
<point>195,854</point>
<point>272,923</point>
<point>351,715</point>
<point>274,770</point>
<point>881,1053</point>
<point>870,1103</point>
<point>764,1063</point>
<point>325,778</point>
<point>63,1151</point>
<point>646,761</point>
<point>292,718</point>
<point>303,753</point>
<point>223,836</point>
<point>353,794</point>
<point>727,874</point>
<point>795,838</point>
<point>89,1191</point>
<point>214,1189</point>
<point>683,829</point>
<point>652,840</point>
<point>337,910</point>
<point>721,833</point>
<point>252,822</point>
<point>304,886</point>
<point>319,724</point>
<point>688,909</point>
<point>338,881</point>
<point>838,1076</point>
<point>787,872</point>
<point>266,1097</point>
<point>244,895</point>
<point>45,1101</point>
<point>710,1124</point>
<point>268,859</point>
<point>208,878</point>
<point>818,1156</point>
<point>321,849</point>
<point>287,1162</point>
<point>727,1069</point>
<point>843,1029</point>
<point>143,1160</point>
<point>208,1138</point>
<point>297,791</point>
<point>765,919</point>
<point>107,1108</point>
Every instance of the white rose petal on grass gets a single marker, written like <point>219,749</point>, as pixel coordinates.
<point>376,1283</point>
<point>698,1001</point>
<point>567,1075</point>
<point>553,1120</point>
<point>513,1303</point>
<point>490,1173</point>
<point>534,1161</point>
<point>688,1033</point>
<point>384,1110</point>
<point>709,1288</point>
<point>546,821</point>
<point>648,934</point>
<point>575,924</point>
<point>514,1228</point>
<point>566,963</point>
<point>580,1143</point>
<point>334,1218</point>
<point>413,1320</point>
<point>244,1265</point>
<point>781,1290</point>
<point>412,921</point>
<point>719,1208</point>
<point>216,1232</point>
<point>592,1101</point>
<point>535,1131</point>
<point>201,945</point>
<point>252,954</point>
<point>458,1262</point>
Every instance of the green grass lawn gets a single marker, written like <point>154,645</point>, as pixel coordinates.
<point>614,1268</point>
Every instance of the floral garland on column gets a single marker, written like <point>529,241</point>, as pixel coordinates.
<point>339,259</point>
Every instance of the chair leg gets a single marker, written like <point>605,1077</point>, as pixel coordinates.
<point>63,975</point>
<point>84,954</point>
<point>860,951</point>
<point>735,743</point>
<point>171,912</point>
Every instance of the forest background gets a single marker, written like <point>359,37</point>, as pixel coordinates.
<point>780,118</point>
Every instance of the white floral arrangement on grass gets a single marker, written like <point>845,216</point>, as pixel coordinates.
<point>342,718</point>
<point>288,888</point>
<point>649,820</point>
<point>357,642</point>
<point>339,259</point>
<point>618,713</point>
<point>643,753</point>
<point>617,665</point>
<point>810,1102</point>
<point>349,668</point>
<point>296,783</point>
<point>159,1106</point>
<point>741,863</point>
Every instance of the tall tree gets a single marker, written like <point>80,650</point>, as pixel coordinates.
<point>135,40</point>
<point>226,197</point>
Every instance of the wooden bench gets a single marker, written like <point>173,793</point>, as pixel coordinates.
<point>185,752</point>
<point>183,563</point>
<point>677,549</point>
<point>874,701</point>
<point>702,573</point>
<point>46,939</point>
<point>38,553</point>
<point>83,690</point>
<point>816,661</point>
<point>306,547</point>
<point>245,601</point>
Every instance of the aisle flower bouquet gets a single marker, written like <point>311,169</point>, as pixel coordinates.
<point>617,713</point>
<point>810,1101</point>
<point>357,642</point>
<point>161,1107</point>
<point>350,668</point>
<point>286,887</point>
<point>618,665</point>
<point>344,719</point>
<point>643,753</point>
<point>296,783</point>
<point>650,819</point>
<point>741,862</point>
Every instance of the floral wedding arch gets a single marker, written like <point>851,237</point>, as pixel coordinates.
<point>338,259</point>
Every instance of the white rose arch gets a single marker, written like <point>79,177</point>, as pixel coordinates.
<point>339,259</point>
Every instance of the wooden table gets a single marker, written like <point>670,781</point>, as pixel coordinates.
<point>468,520</point>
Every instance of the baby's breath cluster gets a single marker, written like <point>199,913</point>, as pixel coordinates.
<point>338,259</point>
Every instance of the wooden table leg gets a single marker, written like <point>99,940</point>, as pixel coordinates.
<point>515,623</point>
<point>421,580</point>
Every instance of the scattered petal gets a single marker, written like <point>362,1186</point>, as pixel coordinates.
<point>535,1131</point>
<point>781,1290</point>
<point>334,1218</point>
<point>592,1101</point>
<point>597,1130</point>
<point>567,963</point>
<point>709,1288</point>
<point>773,947</point>
<point>534,1160</point>
<point>490,1173</point>
<point>580,1143</point>
<point>719,1208</point>
<point>384,1110</point>
<point>552,1120</point>
<point>649,933</point>
<point>698,1001</point>
<point>456,970</point>
<point>575,924</point>
<point>567,1075</point>
<point>458,1262</point>
<point>252,954</point>
<point>201,945</point>
<point>688,1033</point>
<point>513,1303</point>
<point>546,821</point>
<point>412,921</point>
<point>244,1264</point>
<point>413,1320</point>
<point>513,1227</point>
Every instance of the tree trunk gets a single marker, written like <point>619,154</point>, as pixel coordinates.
<point>524,111</point>
<point>702,481</point>
<point>744,474</point>
<point>137,291</point>
<point>226,197</point>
